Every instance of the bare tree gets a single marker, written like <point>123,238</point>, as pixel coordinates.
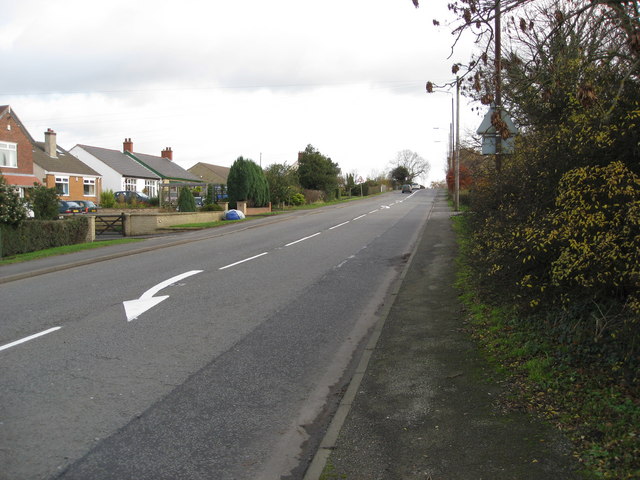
<point>414,163</point>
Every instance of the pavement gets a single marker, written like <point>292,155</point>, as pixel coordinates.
<point>423,403</point>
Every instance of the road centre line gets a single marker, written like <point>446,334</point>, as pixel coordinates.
<point>242,261</point>
<point>374,211</point>
<point>30,337</point>
<point>363,215</point>
<point>302,239</point>
<point>339,225</point>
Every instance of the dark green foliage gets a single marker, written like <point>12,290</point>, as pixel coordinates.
<point>247,182</point>
<point>317,172</point>
<point>45,202</point>
<point>211,207</point>
<point>107,199</point>
<point>37,235</point>
<point>12,209</point>
<point>186,202</point>
<point>400,175</point>
<point>283,182</point>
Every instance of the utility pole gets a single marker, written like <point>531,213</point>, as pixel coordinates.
<point>498,65</point>
<point>456,195</point>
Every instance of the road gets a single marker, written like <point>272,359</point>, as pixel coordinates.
<point>219,358</point>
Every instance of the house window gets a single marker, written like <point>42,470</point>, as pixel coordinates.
<point>150,188</point>
<point>90,187</point>
<point>130,184</point>
<point>8,154</point>
<point>62,185</point>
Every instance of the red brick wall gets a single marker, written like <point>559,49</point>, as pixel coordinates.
<point>15,135</point>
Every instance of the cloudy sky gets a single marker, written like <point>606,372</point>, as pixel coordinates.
<point>216,79</point>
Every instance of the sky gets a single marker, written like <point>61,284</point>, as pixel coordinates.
<point>215,79</point>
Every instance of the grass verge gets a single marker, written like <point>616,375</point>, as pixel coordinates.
<point>49,252</point>
<point>597,408</point>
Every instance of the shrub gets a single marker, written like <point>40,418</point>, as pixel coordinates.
<point>107,199</point>
<point>186,202</point>
<point>212,207</point>
<point>45,202</point>
<point>297,199</point>
<point>12,210</point>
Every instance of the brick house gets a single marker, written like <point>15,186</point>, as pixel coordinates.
<point>59,169</point>
<point>16,151</point>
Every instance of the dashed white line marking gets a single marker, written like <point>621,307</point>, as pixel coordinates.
<point>374,211</point>
<point>302,239</point>
<point>242,261</point>
<point>30,337</point>
<point>364,215</point>
<point>339,225</point>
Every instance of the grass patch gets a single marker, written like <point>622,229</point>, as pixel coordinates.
<point>49,252</point>
<point>597,408</point>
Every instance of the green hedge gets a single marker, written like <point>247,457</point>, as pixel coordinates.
<point>33,235</point>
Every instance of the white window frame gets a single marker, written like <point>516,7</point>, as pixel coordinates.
<point>130,184</point>
<point>151,186</point>
<point>62,180</point>
<point>91,184</point>
<point>8,154</point>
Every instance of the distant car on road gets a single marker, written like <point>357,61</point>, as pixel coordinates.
<point>406,188</point>
<point>131,197</point>
<point>88,205</point>
<point>415,186</point>
<point>68,207</point>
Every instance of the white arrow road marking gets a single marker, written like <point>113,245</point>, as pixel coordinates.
<point>135,308</point>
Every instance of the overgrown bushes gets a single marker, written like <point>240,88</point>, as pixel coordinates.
<point>33,235</point>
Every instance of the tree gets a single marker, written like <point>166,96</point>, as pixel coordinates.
<point>12,209</point>
<point>414,164</point>
<point>45,202</point>
<point>317,172</point>
<point>283,182</point>
<point>247,182</point>
<point>400,175</point>
<point>186,202</point>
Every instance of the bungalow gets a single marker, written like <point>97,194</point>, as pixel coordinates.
<point>72,179</point>
<point>16,151</point>
<point>209,173</point>
<point>140,172</point>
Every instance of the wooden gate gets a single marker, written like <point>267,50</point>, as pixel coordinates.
<point>109,225</point>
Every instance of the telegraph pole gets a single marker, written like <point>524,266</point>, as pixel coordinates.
<point>498,65</point>
<point>456,195</point>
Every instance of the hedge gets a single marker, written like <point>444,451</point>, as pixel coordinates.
<point>33,235</point>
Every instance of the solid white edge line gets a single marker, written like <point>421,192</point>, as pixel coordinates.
<point>242,261</point>
<point>30,337</point>
<point>339,225</point>
<point>302,239</point>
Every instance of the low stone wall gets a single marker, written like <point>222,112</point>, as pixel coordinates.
<point>146,223</point>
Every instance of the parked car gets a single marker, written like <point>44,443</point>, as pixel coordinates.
<point>68,207</point>
<point>88,205</point>
<point>415,186</point>
<point>199,201</point>
<point>406,188</point>
<point>131,197</point>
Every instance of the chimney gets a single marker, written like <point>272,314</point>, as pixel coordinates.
<point>127,145</point>
<point>167,153</point>
<point>50,143</point>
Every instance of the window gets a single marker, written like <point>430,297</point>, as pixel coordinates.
<point>150,188</point>
<point>8,154</point>
<point>130,184</point>
<point>90,187</point>
<point>62,185</point>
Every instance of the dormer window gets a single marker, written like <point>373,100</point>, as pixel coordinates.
<point>8,154</point>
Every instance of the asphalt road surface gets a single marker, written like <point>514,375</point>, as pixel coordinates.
<point>217,358</point>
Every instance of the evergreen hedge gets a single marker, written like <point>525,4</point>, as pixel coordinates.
<point>34,235</point>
